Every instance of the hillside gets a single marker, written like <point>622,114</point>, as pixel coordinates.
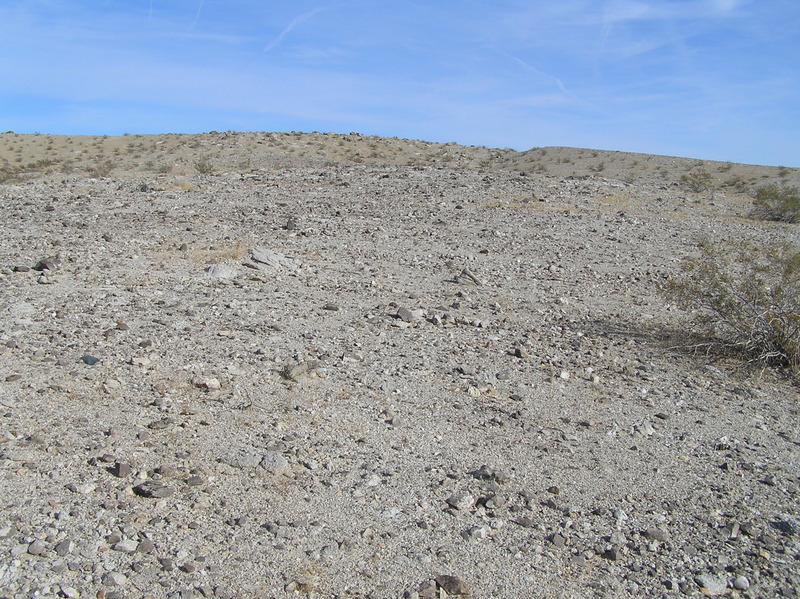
<point>282,364</point>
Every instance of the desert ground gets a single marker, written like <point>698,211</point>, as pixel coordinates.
<point>243,365</point>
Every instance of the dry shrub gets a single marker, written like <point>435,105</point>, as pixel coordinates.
<point>697,181</point>
<point>747,302</point>
<point>773,202</point>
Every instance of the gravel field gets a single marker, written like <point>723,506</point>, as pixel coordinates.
<point>243,365</point>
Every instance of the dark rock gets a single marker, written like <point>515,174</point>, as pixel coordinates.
<point>153,489</point>
<point>452,585</point>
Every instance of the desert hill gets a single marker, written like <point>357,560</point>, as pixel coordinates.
<point>282,364</point>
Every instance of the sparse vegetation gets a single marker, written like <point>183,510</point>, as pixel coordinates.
<point>15,173</point>
<point>101,168</point>
<point>773,202</point>
<point>746,302</point>
<point>203,166</point>
<point>697,181</point>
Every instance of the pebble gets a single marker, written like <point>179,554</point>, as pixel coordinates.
<point>89,360</point>
<point>242,456</point>
<point>36,548</point>
<point>656,534</point>
<point>126,546</point>
<point>121,469</point>
<point>274,462</point>
<point>153,489</point>
<point>741,582</point>
<point>115,579</point>
<point>712,585</point>
<point>405,314</point>
<point>476,532</point>
<point>64,548</point>
<point>452,585</point>
<point>461,501</point>
<point>220,271</point>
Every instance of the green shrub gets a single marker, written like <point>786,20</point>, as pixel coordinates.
<point>204,166</point>
<point>773,202</point>
<point>698,181</point>
<point>746,302</point>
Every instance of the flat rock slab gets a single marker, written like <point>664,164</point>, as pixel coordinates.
<point>153,489</point>
<point>264,259</point>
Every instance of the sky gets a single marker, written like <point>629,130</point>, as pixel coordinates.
<point>710,79</point>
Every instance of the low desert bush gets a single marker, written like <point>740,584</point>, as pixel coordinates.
<point>697,181</point>
<point>773,202</point>
<point>746,302</point>
<point>101,168</point>
<point>204,166</point>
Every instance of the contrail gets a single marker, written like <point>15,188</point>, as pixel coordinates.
<point>295,22</point>
<point>197,16</point>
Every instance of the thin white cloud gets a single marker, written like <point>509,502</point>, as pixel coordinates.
<point>294,23</point>
<point>197,16</point>
<point>534,70</point>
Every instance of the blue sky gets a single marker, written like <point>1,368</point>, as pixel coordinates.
<point>715,79</point>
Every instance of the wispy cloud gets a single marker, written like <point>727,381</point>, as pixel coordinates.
<point>294,23</point>
<point>535,71</point>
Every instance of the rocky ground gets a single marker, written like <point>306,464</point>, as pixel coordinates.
<point>264,365</point>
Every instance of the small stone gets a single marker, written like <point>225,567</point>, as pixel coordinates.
<point>126,546</point>
<point>461,501</point>
<point>656,534</point>
<point>115,579</point>
<point>153,489</point>
<point>525,522</point>
<point>553,490</point>
<point>476,532</point>
<point>220,271</point>
<point>298,371</point>
<point>167,563</point>
<point>195,480</point>
<point>64,548</point>
<point>741,582</point>
<point>558,540</point>
<point>83,488</point>
<point>452,585</point>
<point>89,360</point>
<point>145,546</point>
<point>789,525</point>
<point>112,386</point>
<point>612,554</point>
<point>274,462</point>
<point>36,548</point>
<point>712,585</point>
<point>522,352</point>
<point>578,560</point>
<point>51,263</point>
<point>242,456</point>
<point>405,314</point>
<point>70,593</point>
<point>121,469</point>
<point>209,384</point>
